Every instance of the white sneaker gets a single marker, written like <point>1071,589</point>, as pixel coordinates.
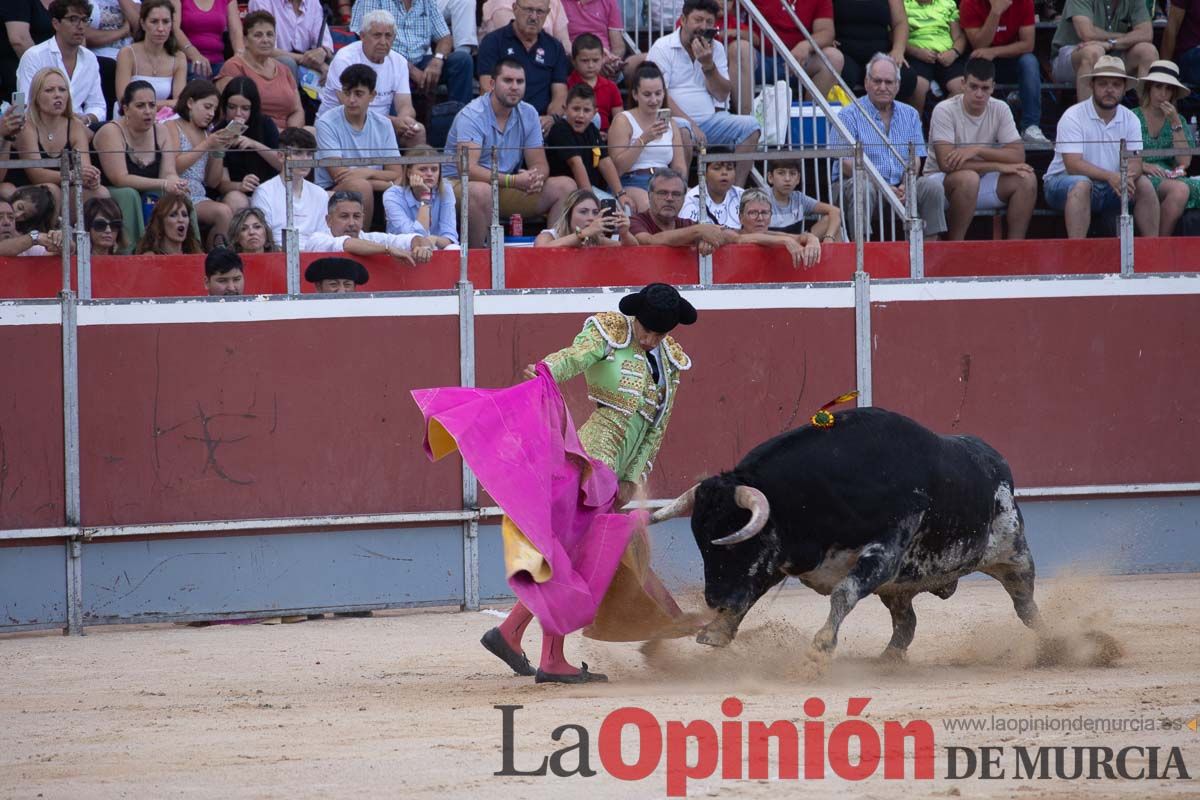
<point>1033,134</point>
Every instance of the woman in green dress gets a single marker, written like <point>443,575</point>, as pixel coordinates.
<point>1162,128</point>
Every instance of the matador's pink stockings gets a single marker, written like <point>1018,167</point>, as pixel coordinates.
<point>513,629</point>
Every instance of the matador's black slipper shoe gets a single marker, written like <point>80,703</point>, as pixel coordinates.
<point>582,677</point>
<point>493,640</point>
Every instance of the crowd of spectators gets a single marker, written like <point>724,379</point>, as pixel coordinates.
<point>182,111</point>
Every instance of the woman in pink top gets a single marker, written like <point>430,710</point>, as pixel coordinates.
<point>200,26</point>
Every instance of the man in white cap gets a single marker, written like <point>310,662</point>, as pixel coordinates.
<point>1085,176</point>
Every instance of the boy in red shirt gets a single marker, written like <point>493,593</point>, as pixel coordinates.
<point>587,55</point>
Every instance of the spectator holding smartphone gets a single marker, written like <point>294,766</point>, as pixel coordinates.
<point>645,139</point>
<point>584,224</point>
<point>253,155</point>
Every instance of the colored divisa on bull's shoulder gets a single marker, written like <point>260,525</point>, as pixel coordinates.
<point>877,504</point>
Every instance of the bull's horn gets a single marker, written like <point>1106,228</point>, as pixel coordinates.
<point>679,507</point>
<point>756,503</point>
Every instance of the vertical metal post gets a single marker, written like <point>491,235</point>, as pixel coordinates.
<point>74,587</point>
<point>862,335</point>
<point>466,374</point>
<point>464,217</point>
<point>497,238</point>
<point>71,500</point>
<point>913,223</point>
<point>1126,227</point>
<point>64,175</point>
<point>705,262</point>
<point>858,212</point>
<point>83,242</point>
<point>470,487</point>
<point>291,238</point>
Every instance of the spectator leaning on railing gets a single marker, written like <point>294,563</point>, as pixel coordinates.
<point>754,214</point>
<point>584,224</point>
<point>1085,178</point>
<point>902,125</point>
<point>790,206</point>
<point>977,154</point>
<point>662,225</point>
<point>343,233</point>
<point>1002,31</point>
<point>501,120</point>
<point>66,52</point>
<point>696,73</point>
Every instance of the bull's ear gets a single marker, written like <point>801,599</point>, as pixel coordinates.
<point>679,507</point>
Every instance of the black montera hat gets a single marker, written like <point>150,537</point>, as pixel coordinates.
<point>659,307</point>
<point>324,269</point>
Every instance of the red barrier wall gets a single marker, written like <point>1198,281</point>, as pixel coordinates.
<point>199,419</point>
<point>530,268</point>
<point>31,427</point>
<point>241,420</point>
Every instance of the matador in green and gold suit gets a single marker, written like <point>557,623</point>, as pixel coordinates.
<point>632,370</point>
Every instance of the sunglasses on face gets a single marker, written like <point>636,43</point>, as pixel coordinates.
<point>99,225</point>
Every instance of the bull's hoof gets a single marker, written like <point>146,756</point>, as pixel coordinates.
<point>893,655</point>
<point>714,638</point>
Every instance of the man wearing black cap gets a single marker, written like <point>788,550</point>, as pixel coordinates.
<point>336,275</point>
<point>632,369</point>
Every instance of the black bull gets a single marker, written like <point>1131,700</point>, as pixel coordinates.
<point>877,504</point>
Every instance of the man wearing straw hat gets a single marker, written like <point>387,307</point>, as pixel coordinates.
<point>1159,92</point>
<point>1085,175</point>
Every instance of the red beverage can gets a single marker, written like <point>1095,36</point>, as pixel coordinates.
<point>516,225</point>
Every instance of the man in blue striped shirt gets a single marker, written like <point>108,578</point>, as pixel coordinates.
<point>902,125</point>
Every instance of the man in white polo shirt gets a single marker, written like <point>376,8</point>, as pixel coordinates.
<point>1085,175</point>
<point>977,155</point>
<point>393,97</point>
<point>696,72</point>
<point>65,51</point>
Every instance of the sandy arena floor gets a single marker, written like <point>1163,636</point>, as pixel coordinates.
<point>401,705</point>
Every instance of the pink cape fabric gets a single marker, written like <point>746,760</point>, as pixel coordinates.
<point>521,444</point>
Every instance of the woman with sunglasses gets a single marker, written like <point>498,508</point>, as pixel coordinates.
<point>102,218</point>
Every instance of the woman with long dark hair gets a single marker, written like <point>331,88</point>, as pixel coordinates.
<point>154,56</point>
<point>197,155</point>
<point>170,230</point>
<point>252,158</point>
